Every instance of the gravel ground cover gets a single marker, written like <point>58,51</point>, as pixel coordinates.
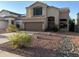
<point>43,45</point>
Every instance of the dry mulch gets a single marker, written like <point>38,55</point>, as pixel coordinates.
<point>44,45</point>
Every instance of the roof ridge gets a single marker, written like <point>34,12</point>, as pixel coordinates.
<point>10,12</point>
<point>37,2</point>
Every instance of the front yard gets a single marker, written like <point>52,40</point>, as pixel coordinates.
<point>43,44</point>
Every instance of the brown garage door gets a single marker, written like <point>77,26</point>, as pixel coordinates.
<point>33,26</point>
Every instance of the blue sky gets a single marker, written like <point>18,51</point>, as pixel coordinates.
<point>19,6</point>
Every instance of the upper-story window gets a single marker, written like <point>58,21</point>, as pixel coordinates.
<point>37,11</point>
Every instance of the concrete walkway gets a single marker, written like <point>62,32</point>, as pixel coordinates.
<point>3,39</point>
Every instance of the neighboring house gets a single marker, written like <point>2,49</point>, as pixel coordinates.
<point>8,17</point>
<point>39,17</point>
<point>77,25</point>
<point>78,18</point>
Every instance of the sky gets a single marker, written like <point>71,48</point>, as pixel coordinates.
<point>19,6</point>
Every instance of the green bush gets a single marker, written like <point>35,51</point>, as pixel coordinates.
<point>20,40</point>
<point>11,28</point>
<point>55,28</point>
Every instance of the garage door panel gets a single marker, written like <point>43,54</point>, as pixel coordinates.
<point>33,26</point>
<point>3,24</point>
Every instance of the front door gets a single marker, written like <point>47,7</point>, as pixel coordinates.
<point>51,22</point>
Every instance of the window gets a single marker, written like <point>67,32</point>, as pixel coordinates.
<point>63,19</point>
<point>37,11</point>
<point>63,23</point>
<point>12,22</point>
<point>18,26</point>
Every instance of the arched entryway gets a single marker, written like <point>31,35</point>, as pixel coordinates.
<point>51,23</point>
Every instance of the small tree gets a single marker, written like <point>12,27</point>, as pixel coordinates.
<point>72,25</point>
<point>55,28</point>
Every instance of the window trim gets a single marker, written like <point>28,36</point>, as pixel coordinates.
<point>41,11</point>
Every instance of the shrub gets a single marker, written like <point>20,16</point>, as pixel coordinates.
<point>20,40</point>
<point>55,28</point>
<point>11,28</point>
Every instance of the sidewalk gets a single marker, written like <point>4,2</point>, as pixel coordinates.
<point>3,39</point>
<point>8,54</point>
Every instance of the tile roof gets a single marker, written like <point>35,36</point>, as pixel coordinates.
<point>10,12</point>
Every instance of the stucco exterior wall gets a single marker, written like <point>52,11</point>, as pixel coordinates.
<point>42,18</point>
<point>20,22</point>
<point>47,11</point>
<point>64,16</point>
<point>53,12</point>
<point>30,10</point>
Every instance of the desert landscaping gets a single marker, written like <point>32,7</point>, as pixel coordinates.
<point>43,30</point>
<point>43,44</point>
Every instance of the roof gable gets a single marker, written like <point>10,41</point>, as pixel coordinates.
<point>9,12</point>
<point>4,13</point>
<point>38,3</point>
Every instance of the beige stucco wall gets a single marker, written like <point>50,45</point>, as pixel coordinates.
<point>30,10</point>
<point>64,16</point>
<point>20,22</point>
<point>53,12</point>
<point>47,12</point>
<point>31,18</point>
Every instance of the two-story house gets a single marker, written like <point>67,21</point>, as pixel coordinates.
<point>8,17</point>
<point>40,17</point>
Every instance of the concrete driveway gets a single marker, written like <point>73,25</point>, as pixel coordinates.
<point>3,37</point>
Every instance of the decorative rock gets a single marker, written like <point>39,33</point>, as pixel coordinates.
<point>66,46</point>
